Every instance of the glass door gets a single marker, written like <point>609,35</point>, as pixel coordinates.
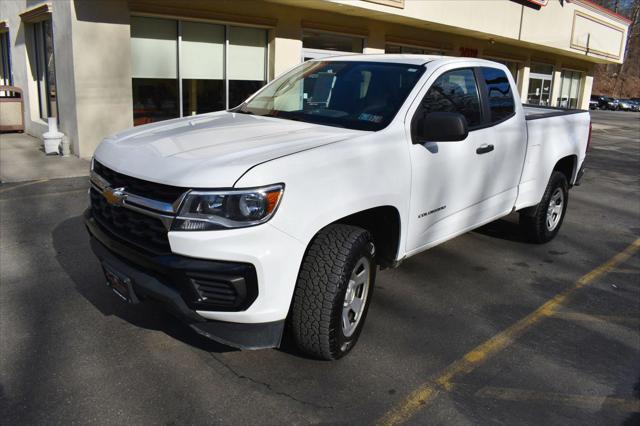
<point>540,83</point>
<point>539,91</point>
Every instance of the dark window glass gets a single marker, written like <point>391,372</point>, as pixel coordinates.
<point>356,95</point>
<point>154,99</point>
<point>499,94</point>
<point>6,78</point>
<point>45,69</point>
<point>200,96</point>
<point>455,91</point>
<point>240,90</point>
<point>328,41</point>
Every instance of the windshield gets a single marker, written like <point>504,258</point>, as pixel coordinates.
<point>355,95</point>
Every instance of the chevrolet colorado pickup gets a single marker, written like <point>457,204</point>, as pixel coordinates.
<point>275,215</point>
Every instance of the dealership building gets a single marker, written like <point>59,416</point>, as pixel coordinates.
<point>101,66</point>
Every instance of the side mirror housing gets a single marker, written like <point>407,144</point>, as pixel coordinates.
<point>440,127</point>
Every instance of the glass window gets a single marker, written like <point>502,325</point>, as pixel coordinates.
<point>396,48</point>
<point>539,68</point>
<point>202,67</point>
<point>512,66</point>
<point>499,95</point>
<point>6,77</point>
<point>154,69</point>
<point>329,41</point>
<point>569,89</point>
<point>455,91</point>
<point>45,69</point>
<point>356,95</point>
<point>199,72</point>
<point>246,63</point>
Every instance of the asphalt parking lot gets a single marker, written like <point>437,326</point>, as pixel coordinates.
<point>456,335</point>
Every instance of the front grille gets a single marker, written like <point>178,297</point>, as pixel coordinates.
<point>143,188</point>
<point>132,227</point>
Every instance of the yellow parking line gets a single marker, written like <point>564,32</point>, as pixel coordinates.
<point>471,360</point>
<point>22,185</point>
<point>589,402</point>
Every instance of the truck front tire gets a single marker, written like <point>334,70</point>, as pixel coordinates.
<point>543,223</point>
<point>333,291</point>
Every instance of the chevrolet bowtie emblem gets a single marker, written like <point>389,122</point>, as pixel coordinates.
<point>114,196</point>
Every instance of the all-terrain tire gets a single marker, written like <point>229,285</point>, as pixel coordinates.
<point>534,223</point>
<point>316,322</point>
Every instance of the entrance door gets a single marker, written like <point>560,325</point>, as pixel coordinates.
<point>539,90</point>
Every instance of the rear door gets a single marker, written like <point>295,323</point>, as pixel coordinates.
<point>506,137</point>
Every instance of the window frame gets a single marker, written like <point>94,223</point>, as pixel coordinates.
<point>42,68</point>
<point>485,109</point>
<point>226,25</point>
<point>420,110</point>
<point>7,66</point>
<point>485,98</point>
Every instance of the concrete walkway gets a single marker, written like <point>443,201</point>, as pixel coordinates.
<point>22,158</point>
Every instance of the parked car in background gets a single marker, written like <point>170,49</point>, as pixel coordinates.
<point>604,102</point>
<point>625,105</point>
<point>613,104</point>
<point>594,102</point>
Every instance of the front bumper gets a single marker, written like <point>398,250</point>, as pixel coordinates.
<point>169,279</point>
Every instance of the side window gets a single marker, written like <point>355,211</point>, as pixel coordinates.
<point>499,94</point>
<point>455,91</point>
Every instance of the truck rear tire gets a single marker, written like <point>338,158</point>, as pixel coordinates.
<point>333,291</point>
<point>542,225</point>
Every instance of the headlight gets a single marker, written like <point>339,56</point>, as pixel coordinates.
<point>209,210</point>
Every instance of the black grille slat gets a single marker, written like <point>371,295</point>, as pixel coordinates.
<point>143,188</point>
<point>130,226</point>
<point>215,290</point>
<point>135,228</point>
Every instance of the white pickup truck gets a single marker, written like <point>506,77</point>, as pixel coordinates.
<point>275,215</point>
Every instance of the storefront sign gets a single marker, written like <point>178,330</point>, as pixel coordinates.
<point>539,2</point>
<point>468,52</point>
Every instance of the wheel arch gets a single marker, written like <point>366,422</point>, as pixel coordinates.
<point>384,224</point>
<point>567,166</point>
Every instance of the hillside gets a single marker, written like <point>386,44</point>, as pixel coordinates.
<point>622,81</point>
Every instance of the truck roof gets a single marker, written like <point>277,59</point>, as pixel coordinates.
<point>401,58</point>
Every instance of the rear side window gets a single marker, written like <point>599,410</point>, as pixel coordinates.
<point>499,94</point>
<point>455,91</point>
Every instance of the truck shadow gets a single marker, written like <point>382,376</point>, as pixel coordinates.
<point>506,228</point>
<point>71,243</point>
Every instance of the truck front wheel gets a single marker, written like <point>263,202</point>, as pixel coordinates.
<point>543,223</point>
<point>333,291</point>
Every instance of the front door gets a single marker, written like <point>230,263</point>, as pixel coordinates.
<point>456,186</point>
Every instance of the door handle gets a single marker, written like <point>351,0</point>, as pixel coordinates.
<point>483,149</point>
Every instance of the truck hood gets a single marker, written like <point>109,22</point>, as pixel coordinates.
<point>210,150</point>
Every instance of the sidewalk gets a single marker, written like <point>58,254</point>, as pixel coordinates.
<point>22,158</point>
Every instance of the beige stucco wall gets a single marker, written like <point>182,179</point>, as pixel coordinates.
<point>101,71</point>
<point>93,48</point>
<point>549,28</point>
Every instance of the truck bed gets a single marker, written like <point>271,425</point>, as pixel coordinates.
<point>534,112</point>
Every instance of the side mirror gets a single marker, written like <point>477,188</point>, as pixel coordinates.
<point>441,127</point>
